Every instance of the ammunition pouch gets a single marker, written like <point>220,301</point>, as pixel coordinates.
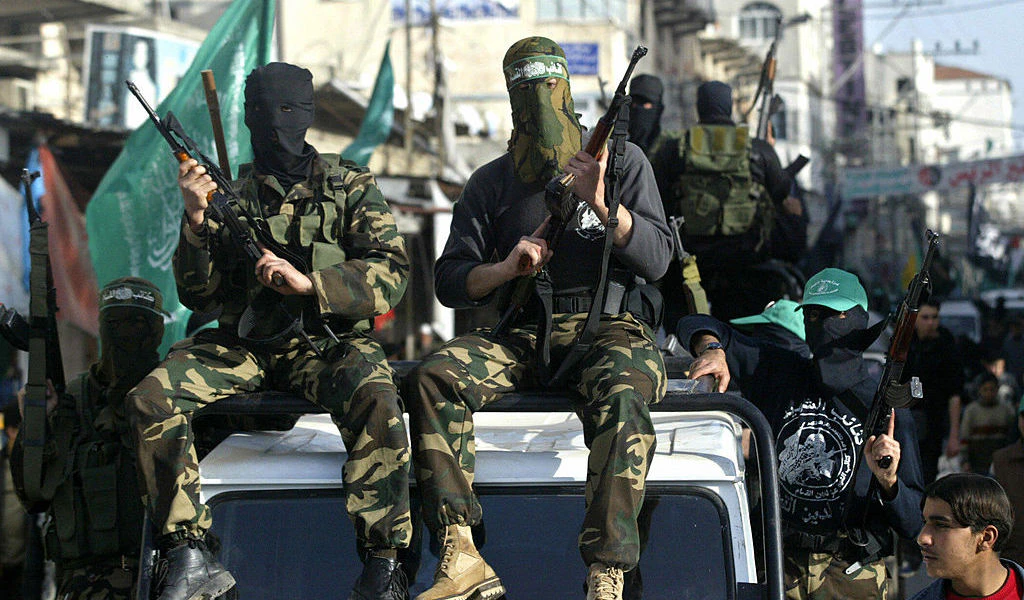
<point>96,512</point>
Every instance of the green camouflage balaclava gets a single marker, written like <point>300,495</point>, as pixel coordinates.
<point>131,327</point>
<point>545,128</point>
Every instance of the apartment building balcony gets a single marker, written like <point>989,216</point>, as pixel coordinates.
<point>41,11</point>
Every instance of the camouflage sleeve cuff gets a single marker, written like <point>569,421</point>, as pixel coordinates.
<point>345,291</point>
<point>323,304</point>
<point>197,240</point>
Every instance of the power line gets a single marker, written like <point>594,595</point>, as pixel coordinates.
<point>1016,127</point>
<point>945,11</point>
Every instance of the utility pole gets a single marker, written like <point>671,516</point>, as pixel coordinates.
<point>440,89</point>
<point>407,121</point>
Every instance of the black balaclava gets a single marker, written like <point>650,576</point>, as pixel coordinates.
<point>837,345</point>
<point>131,328</point>
<point>714,103</point>
<point>645,123</point>
<point>278,111</point>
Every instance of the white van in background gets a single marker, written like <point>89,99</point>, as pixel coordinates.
<point>963,318</point>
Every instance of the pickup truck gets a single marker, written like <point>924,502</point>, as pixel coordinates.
<point>711,515</point>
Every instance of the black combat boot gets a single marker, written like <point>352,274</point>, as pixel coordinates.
<point>382,579</point>
<point>189,571</point>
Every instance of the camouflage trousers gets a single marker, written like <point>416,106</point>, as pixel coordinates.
<point>353,382</point>
<point>97,582</point>
<point>822,576</point>
<point>622,373</point>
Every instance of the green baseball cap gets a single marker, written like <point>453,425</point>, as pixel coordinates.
<point>132,292</point>
<point>781,312</point>
<point>836,289</point>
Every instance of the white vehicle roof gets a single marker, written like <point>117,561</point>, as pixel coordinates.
<point>1013,297</point>
<point>511,448</point>
<point>535,449</point>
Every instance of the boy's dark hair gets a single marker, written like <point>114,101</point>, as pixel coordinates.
<point>977,501</point>
<point>985,377</point>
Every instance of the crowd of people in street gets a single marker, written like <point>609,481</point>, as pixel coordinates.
<point>708,213</point>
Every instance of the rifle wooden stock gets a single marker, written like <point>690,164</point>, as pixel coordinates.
<point>213,106</point>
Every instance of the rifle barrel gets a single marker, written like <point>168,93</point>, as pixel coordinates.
<point>27,178</point>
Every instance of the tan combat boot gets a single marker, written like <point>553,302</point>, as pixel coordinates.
<point>604,583</point>
<point>462,573</point>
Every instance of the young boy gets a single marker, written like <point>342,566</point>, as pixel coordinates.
<point>967,520</point>
<point>986,425</point>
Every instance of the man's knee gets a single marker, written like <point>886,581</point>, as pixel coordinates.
<point>149,400</point>
<point>429,377</point>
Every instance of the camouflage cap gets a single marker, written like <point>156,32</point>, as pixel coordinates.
<point>132,292</point>
<point>534,58</point>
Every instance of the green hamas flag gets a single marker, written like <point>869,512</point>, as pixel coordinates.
<point>134,217</point>
<point>380,114</point>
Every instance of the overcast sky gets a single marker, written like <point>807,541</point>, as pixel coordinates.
<point>995,24</point>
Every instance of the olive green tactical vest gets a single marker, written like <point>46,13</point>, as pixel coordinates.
<point>320,230</point>
<point>715,193</point>
<point>96,507</point>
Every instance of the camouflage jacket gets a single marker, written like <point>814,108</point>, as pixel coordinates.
<point>338,220</point>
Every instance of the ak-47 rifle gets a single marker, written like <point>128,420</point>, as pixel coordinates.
<point>771,103</point>
<point>223,202</point>
<point>891,393</point>
<point>765,94</point>
<point>560,200</point>
<point>45,366</point>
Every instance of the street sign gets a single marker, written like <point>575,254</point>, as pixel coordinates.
<point>917,179</point>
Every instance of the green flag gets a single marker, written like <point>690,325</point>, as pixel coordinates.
<point>380,114</point>
<point>134,217</point>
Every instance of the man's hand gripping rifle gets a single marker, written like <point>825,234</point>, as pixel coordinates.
<point>559,197</point>
<point>223,203</point>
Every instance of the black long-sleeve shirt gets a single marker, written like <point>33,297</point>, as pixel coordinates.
<point>819,436</point>
<point>496,210</point>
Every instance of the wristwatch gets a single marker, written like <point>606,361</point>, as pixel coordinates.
<point>712,346</point>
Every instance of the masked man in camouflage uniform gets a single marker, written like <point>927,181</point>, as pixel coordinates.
<point>500,214</point>
<point>95,516</point>
<point>331,213</point>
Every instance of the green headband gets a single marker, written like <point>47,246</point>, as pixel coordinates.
<point>535,67</point>
<point>131,292</point>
